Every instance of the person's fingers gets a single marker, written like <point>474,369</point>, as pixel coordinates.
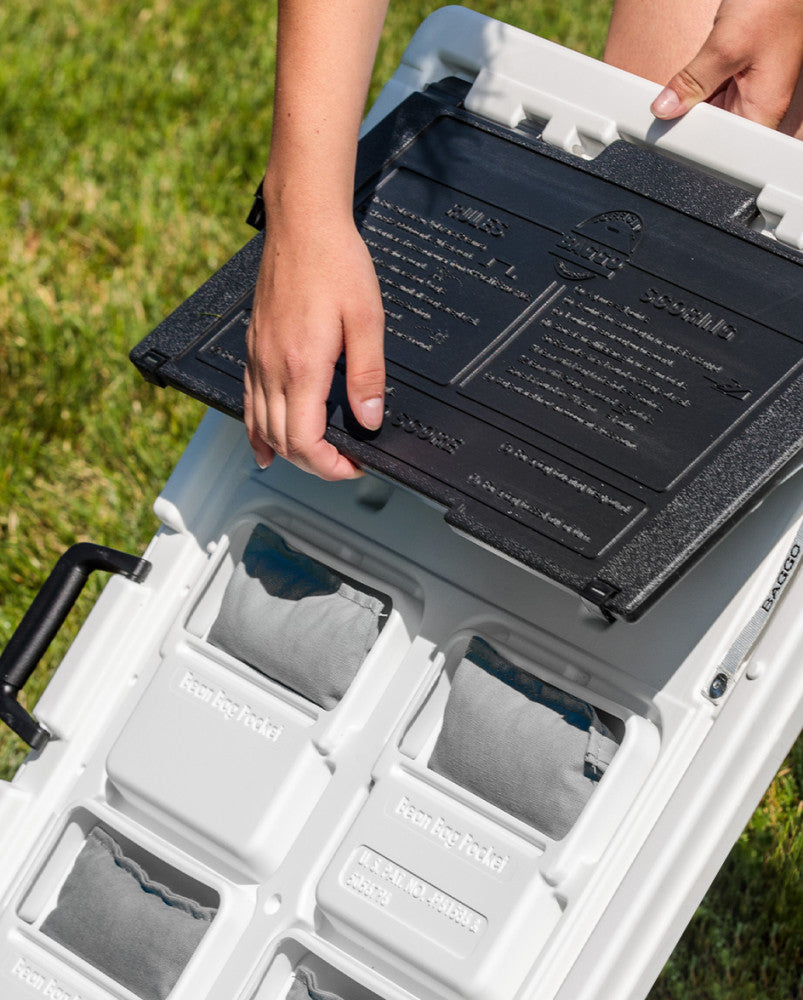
<point>296,416</point>
<point>305,445</point>
<point>255,415</point>
<point>311,305</point>
<point>792,123</point>
<point>761,96</point>
<point>720,58</point>
<point>364,330</point>
<point>320,458</point>
<point>750,64</point>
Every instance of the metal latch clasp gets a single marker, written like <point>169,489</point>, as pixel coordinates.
<point>729,666</point>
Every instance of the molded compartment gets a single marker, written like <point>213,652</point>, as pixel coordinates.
<point>293,960</point>
<point>208,724</point>
<point>445,882</point>
<point>90,908</point>
<point>190,753</point>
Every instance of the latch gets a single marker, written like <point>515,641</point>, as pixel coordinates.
<point>737,654</point>
<point>783,214</point>
<point>597,595</point>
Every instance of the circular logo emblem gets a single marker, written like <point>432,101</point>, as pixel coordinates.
<point>600,246</point>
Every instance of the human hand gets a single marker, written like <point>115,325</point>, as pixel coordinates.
<point>317,294</point>
<point>750,64</point>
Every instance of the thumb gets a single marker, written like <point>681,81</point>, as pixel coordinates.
<point>365,367</point>
<point>716,62</point>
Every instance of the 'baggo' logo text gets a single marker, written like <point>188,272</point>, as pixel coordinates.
<point>600,246</point>
<point>789,566</point>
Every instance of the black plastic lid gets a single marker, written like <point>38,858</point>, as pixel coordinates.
<point>595,366</point>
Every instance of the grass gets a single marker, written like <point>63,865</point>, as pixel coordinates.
<point>132,137</point>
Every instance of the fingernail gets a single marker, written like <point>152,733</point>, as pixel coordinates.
<point>665,104</point>
<point>371,413</point>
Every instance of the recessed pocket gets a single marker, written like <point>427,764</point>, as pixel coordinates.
<point>295,620</point>
<point>523,745</point>
<point>135,930</point>
<point>305,987</point>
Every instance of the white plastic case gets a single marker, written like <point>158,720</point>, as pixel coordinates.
<point>323,837</point>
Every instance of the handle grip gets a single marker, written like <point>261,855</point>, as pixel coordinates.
<point>44,618</point>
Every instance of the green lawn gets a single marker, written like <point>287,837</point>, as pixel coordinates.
<point>131,137</point>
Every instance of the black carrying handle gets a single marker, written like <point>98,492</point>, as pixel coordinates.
<point>44,618</point>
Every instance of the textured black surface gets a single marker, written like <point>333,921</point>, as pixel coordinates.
<point>595,366</point>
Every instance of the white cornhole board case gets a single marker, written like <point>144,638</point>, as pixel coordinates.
<point>320,838</point>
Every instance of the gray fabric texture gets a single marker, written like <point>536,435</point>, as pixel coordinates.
<point>524,746</point>
<point>136,931</point>
<point>295,620</point>
<point>305,988</point>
